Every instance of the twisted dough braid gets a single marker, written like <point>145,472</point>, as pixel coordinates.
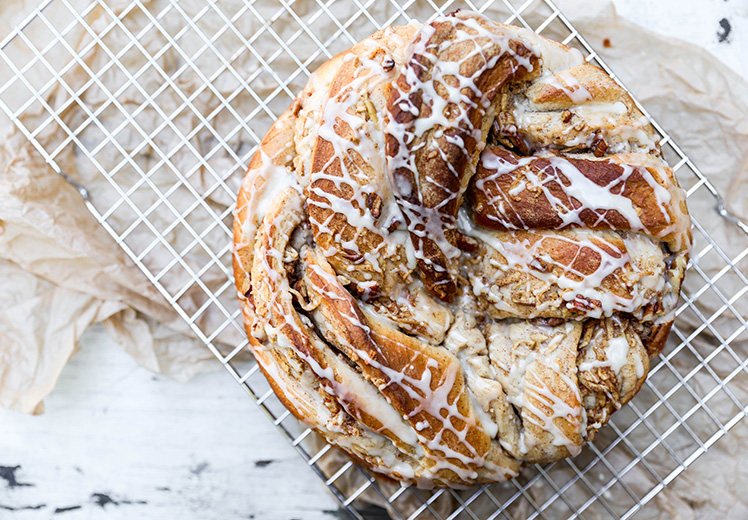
<point>457,251</point>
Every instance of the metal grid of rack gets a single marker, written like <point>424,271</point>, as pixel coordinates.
<point>152,111</point>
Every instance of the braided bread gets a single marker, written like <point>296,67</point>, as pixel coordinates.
<point>457,251</point>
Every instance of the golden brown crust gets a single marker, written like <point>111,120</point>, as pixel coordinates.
<point>429,187</point>
<point>603,389</point>
<point>616,278</point>
<point>656,338</point>
<point>539,193</point>
<point>345,179</point>
<point>380,352</point>
<point>571,109</point>
<point>560,90</point>
<point>346,247</point>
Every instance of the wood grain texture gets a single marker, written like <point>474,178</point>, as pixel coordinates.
<point>119,442</point>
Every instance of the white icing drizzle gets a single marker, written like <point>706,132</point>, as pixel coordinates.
<point>526,253</point>
<point>262,185</point>
<point>550,407</point>
<point>276,179</point>
<point>617,355</point>
<point>339,379</point>
<point>617,108</point>
<point>566,82</point>
<point>447,96</point>
<point>590,195</point>
<point>356,165</point>
<point>433,398</point>
<point>594,196</point>
<point>541,119</point>
<point>525,355</point>
<point>536,371</point>
<point>434,401</point>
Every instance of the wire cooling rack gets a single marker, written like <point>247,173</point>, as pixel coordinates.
<point>152,109</point>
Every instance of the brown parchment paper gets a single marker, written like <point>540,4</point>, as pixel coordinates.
<point>60,271</point>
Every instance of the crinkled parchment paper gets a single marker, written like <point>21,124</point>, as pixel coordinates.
<point>61,271</point>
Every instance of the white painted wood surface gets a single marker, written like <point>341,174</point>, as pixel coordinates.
<point>117,442</point>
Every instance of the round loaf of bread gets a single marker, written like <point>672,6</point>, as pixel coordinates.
<point>457,251</point>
